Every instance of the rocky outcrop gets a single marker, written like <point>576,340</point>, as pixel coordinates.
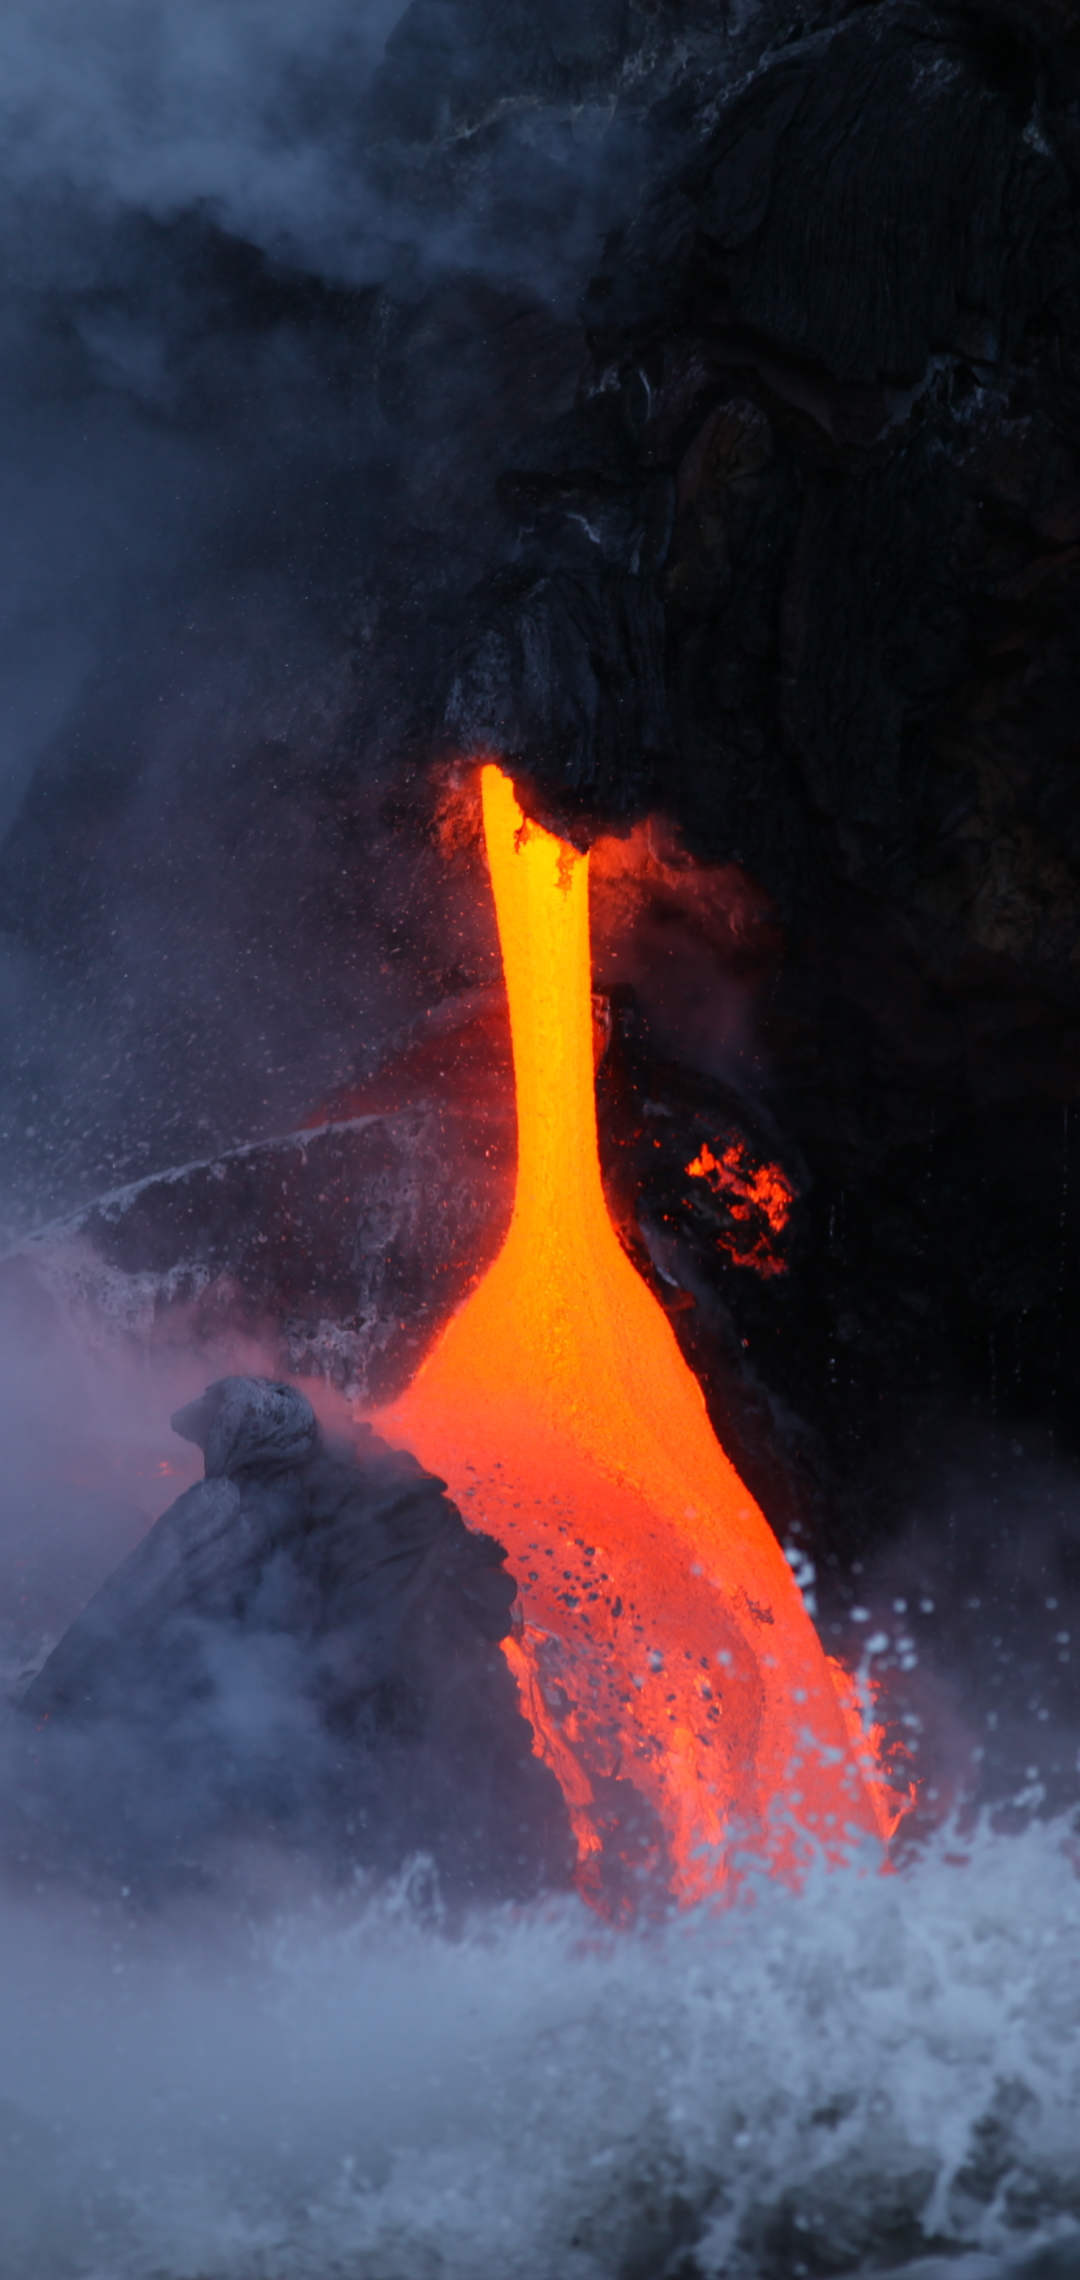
<point>303,1654</point>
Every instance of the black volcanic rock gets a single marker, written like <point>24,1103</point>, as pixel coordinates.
<point>303,1652</point>
<point>340,1248</point>
<point>868,195</point>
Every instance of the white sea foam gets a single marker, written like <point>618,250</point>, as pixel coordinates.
<point>881,2072</point>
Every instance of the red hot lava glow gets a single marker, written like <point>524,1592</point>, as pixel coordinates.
<point>666,1659</point>
<point>745,1186</point>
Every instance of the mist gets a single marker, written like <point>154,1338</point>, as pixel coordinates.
<point>249,113</point>
<point>279,2074</point>
<point>283,282</point>
<point>884,2065</point>
<point>227,457</point>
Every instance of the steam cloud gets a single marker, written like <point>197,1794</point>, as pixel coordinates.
<point>201,462</point>
<point>249,113</point>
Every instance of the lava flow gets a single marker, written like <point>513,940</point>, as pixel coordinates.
<point>674,1680</point>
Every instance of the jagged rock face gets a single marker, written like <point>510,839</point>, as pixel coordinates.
<point>303,1653</point>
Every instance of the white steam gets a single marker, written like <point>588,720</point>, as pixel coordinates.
<point>249,110</point>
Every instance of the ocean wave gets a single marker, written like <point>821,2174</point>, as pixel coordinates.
<point>879,2073</point>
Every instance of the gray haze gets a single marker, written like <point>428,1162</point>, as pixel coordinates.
<point>222,470</point>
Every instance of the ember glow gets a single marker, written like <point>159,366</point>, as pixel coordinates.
<point>672,1674</point>
<point>751,1193</point>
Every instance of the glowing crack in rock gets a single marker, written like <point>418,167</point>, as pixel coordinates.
<point>665,1644</point>
<point>749,1191</point>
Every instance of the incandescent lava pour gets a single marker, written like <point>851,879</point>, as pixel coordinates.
<point>674,1680</point>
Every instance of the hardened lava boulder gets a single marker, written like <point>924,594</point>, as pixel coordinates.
<point>303,1653</point>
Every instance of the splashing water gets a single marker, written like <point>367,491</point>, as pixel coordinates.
<point>868,2074</point>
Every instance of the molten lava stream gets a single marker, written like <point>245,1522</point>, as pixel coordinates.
<point>665,1643</point>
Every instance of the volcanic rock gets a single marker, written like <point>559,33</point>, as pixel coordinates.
<point>302,1653</point>
<point>339,1248</point>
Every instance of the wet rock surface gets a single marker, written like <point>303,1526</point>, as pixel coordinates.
<point>342,1248</point>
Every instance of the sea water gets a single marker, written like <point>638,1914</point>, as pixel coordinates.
<point>881,2072</point>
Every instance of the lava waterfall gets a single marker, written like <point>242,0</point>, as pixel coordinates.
<point>666,1657</point>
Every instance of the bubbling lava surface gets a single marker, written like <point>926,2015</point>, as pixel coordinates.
<point>664,1641</point>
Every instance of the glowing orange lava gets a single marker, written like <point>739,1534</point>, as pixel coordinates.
<point>673,1677</point>
<point>745,1184</point>
<point>748,1191</point>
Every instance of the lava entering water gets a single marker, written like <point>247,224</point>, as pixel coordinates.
<point>665,1644</point>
